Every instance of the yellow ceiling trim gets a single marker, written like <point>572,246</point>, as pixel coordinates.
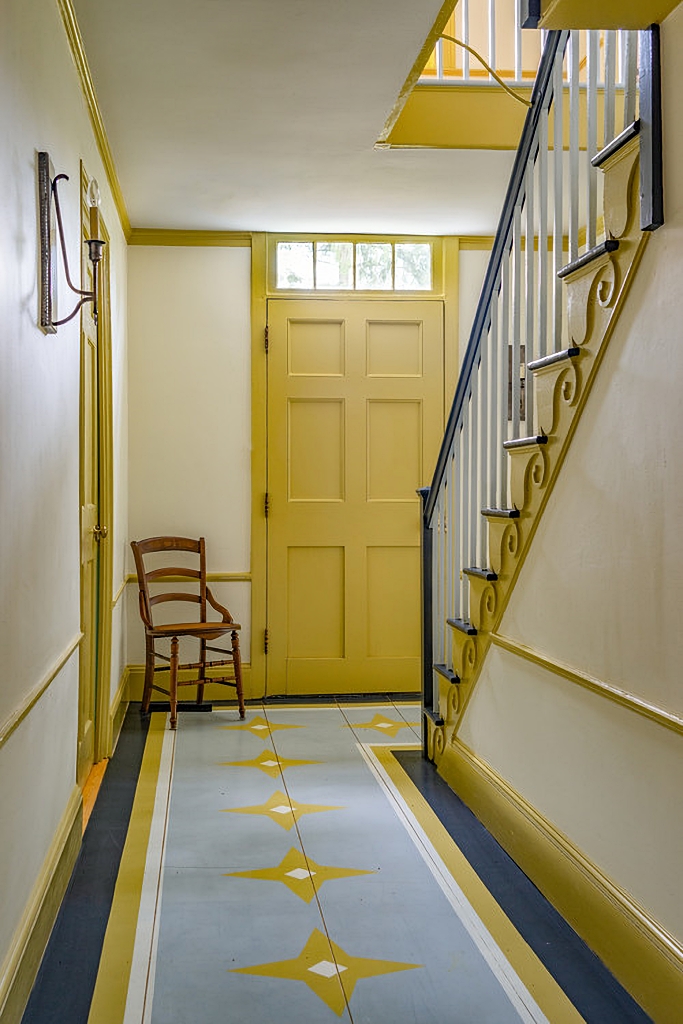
<point>609,14</point>
<point>417,69</point>
<point>75,39</point>
<point>476,243</point>
<point>169,236</point>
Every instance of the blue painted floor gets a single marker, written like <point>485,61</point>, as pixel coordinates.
<point>289,879</point>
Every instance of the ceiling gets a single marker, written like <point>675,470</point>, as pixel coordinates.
<point>263,115</point>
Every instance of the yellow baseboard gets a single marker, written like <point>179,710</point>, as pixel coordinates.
<point>637,950</point>
<point>30,938</point>
<point>136,679</point>
<point>119,706</point>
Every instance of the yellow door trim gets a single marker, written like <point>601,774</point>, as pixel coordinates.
<point>259,370</point>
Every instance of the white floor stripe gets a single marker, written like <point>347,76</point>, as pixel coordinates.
<point>518,994</point>
<point>141,983</point>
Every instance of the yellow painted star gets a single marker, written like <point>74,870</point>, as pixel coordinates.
<point>388,726</point>
<point>300,874</point>
<point>280,809</point>
<point>327,970</point>
<point>259,726</point>
<point>267,762</point>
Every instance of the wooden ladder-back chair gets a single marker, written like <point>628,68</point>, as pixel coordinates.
<point>201,629</point>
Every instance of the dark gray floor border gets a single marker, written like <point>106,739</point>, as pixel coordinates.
<point>593,990</point>
<point>65,983</point>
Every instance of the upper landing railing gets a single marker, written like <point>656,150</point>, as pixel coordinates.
<point>489,32</point>
<point>492,29</point>
<point>592,88</point>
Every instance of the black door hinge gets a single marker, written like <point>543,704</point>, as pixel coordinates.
<point>266,504</point>
<point>265,641</point>
<point>266,337</point>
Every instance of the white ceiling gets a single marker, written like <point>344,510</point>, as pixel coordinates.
<point>263,115</point>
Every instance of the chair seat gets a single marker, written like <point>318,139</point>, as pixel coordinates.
<point>201,629</point>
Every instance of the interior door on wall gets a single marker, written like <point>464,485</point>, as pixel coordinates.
<point>355,419</point>
<point>89,552</point>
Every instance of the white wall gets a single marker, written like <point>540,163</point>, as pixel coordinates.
<point>602,591</point>
<point>190,410</point>
<point>472,267</point>
<point>41,108</point>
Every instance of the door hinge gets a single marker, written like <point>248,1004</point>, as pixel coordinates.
<point>266,337</point>
<point>266,504</point>
<point>265,641</point>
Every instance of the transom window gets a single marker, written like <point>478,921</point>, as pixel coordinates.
<point>353,266</point>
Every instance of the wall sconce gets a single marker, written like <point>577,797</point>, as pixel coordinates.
<point>51,226</point>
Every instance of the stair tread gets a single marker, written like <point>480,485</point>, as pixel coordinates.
<point>447,673</point>
<point>463,626</point>
<point>615,145</point>
<point>555,357</point>
<point>501,513</point>
<point>525,442</point>
<point>484,574</point>
<point>609,245</point>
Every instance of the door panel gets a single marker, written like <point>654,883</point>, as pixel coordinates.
<point>355,419</point>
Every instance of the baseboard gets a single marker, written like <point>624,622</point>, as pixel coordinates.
<point>212,692</point>
<point>30,938</point>
<point>645,959</point>
<point>119,706</point>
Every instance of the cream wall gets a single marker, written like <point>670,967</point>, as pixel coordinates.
<point>190,411</point>
<point>42,108</point>
<point>602,592</point>
<point>472,268</point>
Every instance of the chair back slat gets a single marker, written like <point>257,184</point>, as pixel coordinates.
<point>152,544</point>
<point>161,598</point>
<point>175,570</point>
<point>157,575</point>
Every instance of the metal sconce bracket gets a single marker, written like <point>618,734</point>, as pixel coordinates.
<point>51,225</point>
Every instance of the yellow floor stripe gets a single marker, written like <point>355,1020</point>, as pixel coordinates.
<point>111,988</point>
<point>551,999</point>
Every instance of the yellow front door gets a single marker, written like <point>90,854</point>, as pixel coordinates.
<point>355,419</point>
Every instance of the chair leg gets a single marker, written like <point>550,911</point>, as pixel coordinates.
<point>237,662</point>
<point>202,671</point>
<point>149,674</point>
<point>173,687</point>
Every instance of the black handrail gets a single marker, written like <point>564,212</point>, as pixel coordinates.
<point>540,97</point>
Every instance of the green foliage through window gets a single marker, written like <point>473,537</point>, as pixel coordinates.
<point>348,266</point>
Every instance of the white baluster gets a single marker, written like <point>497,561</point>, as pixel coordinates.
<point>574,146</point>
<point>592,137</point>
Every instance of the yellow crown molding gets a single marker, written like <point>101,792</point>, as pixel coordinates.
<point>613,693</point>
<point>31,699</point>
<point>416,70</point>
<point>476,243</point>
<point>75,39</point>
<point>28,943</point>
<point>645,958</point>
<point>609,14</point>
<point>205,239</point>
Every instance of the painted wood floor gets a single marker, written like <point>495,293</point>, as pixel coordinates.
<point>288,870</point>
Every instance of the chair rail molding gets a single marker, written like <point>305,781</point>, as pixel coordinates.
<point>14,720</point>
